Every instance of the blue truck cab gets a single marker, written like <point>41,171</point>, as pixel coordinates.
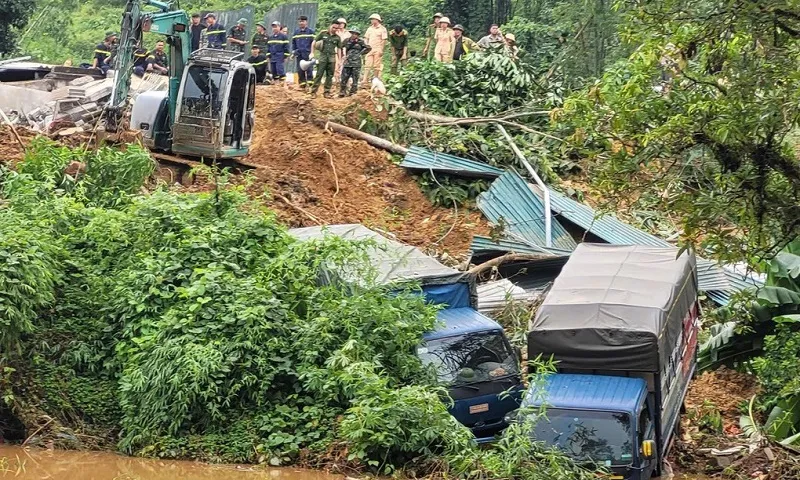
<point>468,352</point>
<point>621,323</point>
<point>474,360</point>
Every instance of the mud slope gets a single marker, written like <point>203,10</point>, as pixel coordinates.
<point>297,157</point>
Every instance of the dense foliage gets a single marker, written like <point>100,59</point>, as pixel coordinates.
<point>15,14</point>
<point>194,326</point>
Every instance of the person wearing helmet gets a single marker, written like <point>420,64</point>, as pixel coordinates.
<point>376,37</point>
<point>398,38</point>
<point>463,45</point>
<point>445,42</point>
<point>303,49</point>
<point>512,50</point>
<point>431,33</point>
<point>355,49</point>
<point>328,43</point>
<point>237,37</point>
<point>344,35</point>
<point>261,38</point>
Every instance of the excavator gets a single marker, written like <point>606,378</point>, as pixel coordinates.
<point>208,109</point>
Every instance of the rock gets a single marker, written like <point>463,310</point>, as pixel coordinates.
<point>69,131</point>
<point>82,80</point>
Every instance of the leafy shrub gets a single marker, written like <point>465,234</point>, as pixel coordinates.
<point>479,84</point>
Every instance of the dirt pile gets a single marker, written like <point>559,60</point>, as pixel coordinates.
<point>11,151</point>
<point>316,176</point>
<point>724,390</point>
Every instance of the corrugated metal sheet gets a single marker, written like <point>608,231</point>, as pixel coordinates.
<point>486,244</point>
<point>710,276</point>
<point>737,282</point>
<point>511,202</point>
<point>393,260</point>
<point>493,296</point>
<point>288,14</point>
<point>422,159</point>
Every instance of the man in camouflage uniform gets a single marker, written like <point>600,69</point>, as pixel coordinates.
<point>356,51</point>
<point>261,38</point>
<point>237,36</point>
<point>328,43</point>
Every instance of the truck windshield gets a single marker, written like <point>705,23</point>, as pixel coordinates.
<point>604,438</point>
<point>470,358</point>
<point>203,92</point>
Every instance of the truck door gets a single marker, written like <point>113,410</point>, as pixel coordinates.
<point>645,430</point>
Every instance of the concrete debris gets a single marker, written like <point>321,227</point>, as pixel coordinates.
<point>67,101</point>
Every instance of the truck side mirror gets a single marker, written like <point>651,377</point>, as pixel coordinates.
<point>648,449</point>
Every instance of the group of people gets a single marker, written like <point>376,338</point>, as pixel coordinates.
<point>342,51</point>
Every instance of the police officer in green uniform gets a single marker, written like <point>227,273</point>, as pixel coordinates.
<point>260,38</point>
<point>356,51</point>
<point>237,36</point>
<point>328,43</point>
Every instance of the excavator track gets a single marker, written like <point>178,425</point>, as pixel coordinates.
<point>235,165</point>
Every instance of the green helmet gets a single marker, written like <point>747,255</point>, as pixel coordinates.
<point>354,30</point>
<point>242,21</point>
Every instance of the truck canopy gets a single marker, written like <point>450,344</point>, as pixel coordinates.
<point>615,307</point>
<point>395,262</point>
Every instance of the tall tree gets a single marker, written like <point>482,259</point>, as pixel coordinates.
<point>704,112</point>
<point>15,14</point>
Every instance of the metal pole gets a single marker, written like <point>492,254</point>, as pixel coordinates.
<point>548,232</point>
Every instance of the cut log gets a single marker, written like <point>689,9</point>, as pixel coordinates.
<point>371,139</point>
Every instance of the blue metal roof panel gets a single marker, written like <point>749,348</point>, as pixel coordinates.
<point>587,392</point>
<point>422,159</point>
<point>460,321</point>
<point>511,202</point>
<point>487,244</point>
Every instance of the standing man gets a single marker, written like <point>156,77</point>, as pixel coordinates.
<point>463,45</point>
<point>303,48</point>
<point>431,32</point>
<point>102,53</point>
<point>196,29</point>
<point>260,38</point>
<point>157,60</point>
<point>237,37</point>
<point>398,38</point>
<point>445,42</point>
<point>278,46</point>
<point>328,43</point>
<point>215,32</point>
<point>344,35</point>
<point>356,50</point>
<point>376,37</point>
<point>259,62</point>
<point>512,50</point>
<point>494,41</point>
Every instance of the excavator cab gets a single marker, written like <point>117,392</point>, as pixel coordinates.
<point>214,111</point>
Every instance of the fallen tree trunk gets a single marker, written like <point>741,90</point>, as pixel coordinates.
<point>371,139</point>
<point>508,257</point>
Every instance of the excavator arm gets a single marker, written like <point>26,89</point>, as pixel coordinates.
<point>167,21</point>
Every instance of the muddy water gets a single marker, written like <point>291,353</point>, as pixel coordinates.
<point>35,464</point>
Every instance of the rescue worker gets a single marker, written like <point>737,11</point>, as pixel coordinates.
<point>344,35</point>
<point>215,32</point>
<point>464,45</point>
<point>512,50</point>
<point>102,53</point>
<point>157,60</point>
<point>260,38</point>
<point>356,50</point>
<point>140,61</point>
<point>278,52</point>
<point>445,42</point>
<point>495,41</point>
<point>237,37</point>
<point>376,37</point>
<point>259,62</point>
<point>303,49</point>
<point>196,30</point>
<point>398,39</point>
<point>328,43</point>
<point>431,32</point>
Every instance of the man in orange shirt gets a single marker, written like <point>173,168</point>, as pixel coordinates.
<point>376,37</point>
